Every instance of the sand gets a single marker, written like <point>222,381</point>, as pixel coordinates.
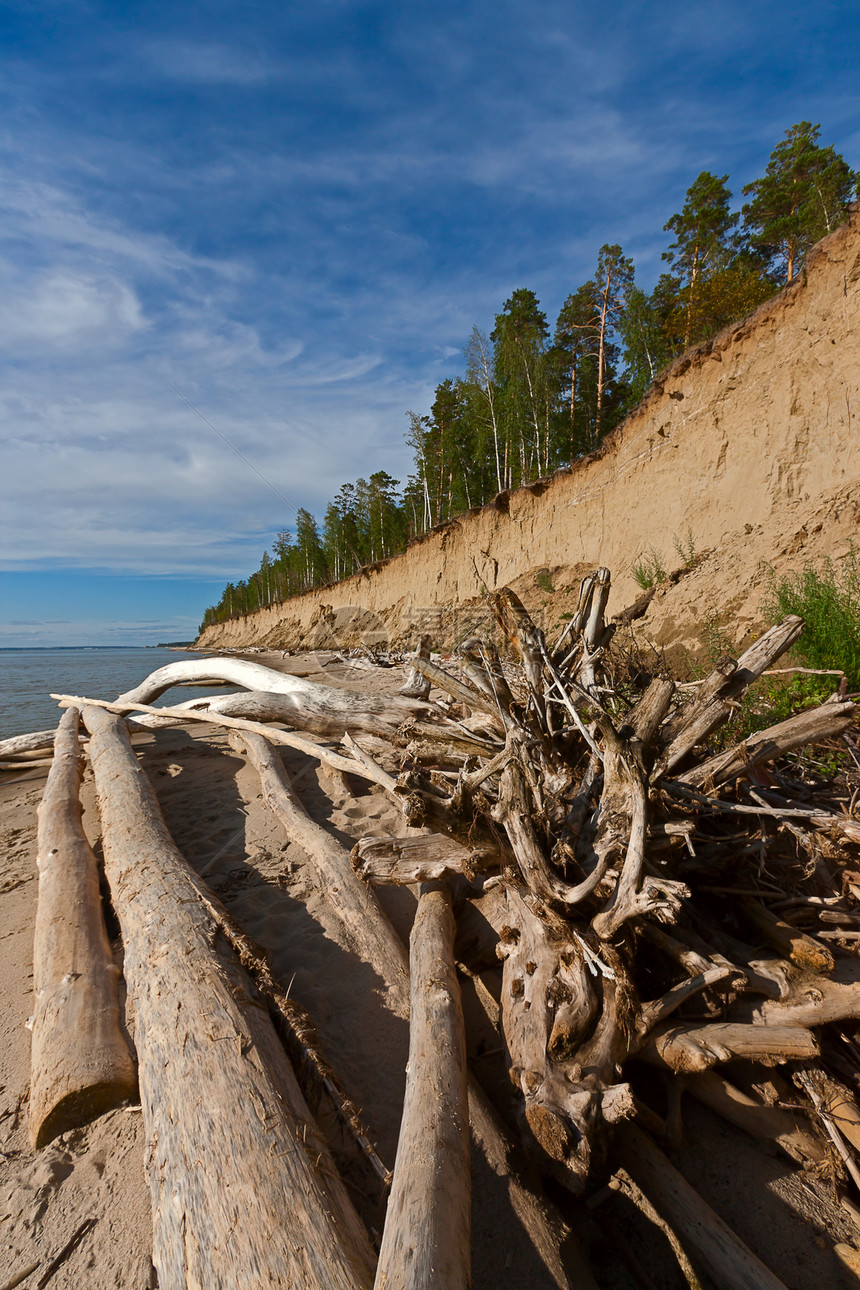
<point>212,803</point>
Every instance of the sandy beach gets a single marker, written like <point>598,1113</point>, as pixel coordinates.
<point>91,1181</point>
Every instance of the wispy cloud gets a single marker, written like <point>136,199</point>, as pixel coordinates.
<point>205,62</point>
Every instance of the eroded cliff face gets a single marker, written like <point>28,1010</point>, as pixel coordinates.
<point>746,452</point>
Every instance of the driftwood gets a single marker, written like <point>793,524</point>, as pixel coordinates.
<point>631,878</point>
<point>766,1123</point>
<point>806,728</point>
<point>417,686</point>
<point>367,929</point>
<point>278,696</point>
<point>263,1205</point>
<point>81,1063</point>
<point>426,858</point>
<point>710,1243</point>
<point>286,738</point>
<point>322,710</point>
<point>384,952</point>
<point>19,745</point>
<point>607,820</point>
<point>426,1242</point>
<point>698,1048</point>
<point>254,676</point>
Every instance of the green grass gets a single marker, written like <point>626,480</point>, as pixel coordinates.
<point>686,549</point>
<point>648,570</point>
<point>828,599</point>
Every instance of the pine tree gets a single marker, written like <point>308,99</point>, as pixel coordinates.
<point>520,341</point>
<point>644,347</point>
<point>614,282</point>
<point>803,195</point>
<point>704,244</point>
<point>576,348</point>
<point>309,550</point>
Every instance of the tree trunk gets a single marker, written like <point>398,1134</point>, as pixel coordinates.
<point>367,929</point>
<point>239,1199</point>
<point>81,1063</point>
<point>426,1241</point>
<point>712,1246</point>
<point>383,951</point>
<point>340,709</point>
<point>287,738</point>
<point>417,686</point>
<point>323,710</point>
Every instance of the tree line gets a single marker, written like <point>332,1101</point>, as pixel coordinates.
<point>531,399</point>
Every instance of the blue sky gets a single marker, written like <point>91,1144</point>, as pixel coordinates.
<point>291,216</point>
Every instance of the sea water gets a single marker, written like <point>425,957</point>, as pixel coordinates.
<point>28,677</point>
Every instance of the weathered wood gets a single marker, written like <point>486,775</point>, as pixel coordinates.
<point>80,1059</point>
<point>426,1240</point>
<point>455,735</point>
<point>367,929</point>
<point>372,768</point>
<point>728,681</point>
<point>254,676</point>
<point>417,685</point>
<point>384,952</point>
<point>286,738</point>
<point>322,710</point>
<point>793,944</point>
<point>560,1060</point>
<point>813,1083</point>
<point>317,1077</point>
<point>489,676</point>
<point>698,1047</point>
<point>712,1246</point>
<point>462,693</point>
<point>27,763</point>
<point>806,1000</point>
<point>764,1123</point>
<point>38,740</point>
<point>249,1199</point>
<point>426,858</point>
<point>515,811</point>
<point>824,722</point>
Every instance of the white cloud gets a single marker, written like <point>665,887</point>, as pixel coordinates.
<point>66,310</point>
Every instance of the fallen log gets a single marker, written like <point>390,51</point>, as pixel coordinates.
<point>238,1200</point>
<point>426,858</point>
<point>285,737</point>
<point>699,1047</point>
<point>81,1064</point>
<point>426,1240</point>
<point>729,680</point>
<point>765,1123</point>
<point>368,931</point>
<point>384,952</point>
<point>824,722</point>
<point>712,1246</point>
<point>38,740</point>
<point>322,710</point>
<point>254,676</point>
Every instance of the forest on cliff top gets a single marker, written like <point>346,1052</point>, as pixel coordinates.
<point>532,399</point>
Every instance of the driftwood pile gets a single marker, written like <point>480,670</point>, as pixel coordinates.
<point>656,907</point>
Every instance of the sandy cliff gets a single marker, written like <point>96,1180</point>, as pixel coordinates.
<point>747,449</point>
